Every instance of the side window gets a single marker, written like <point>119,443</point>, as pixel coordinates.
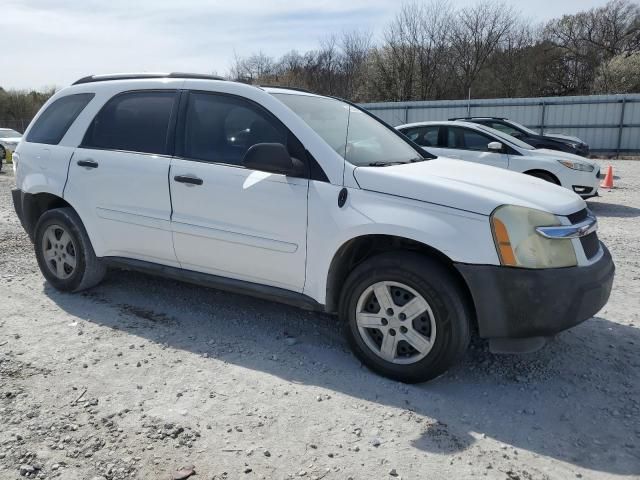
<point>221,128</point>
<point>133,122</point>
<point>427,136</point>
<point>466,139</point>
<point>54,122</point>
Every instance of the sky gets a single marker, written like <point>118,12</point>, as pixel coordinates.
<point>47,43</point>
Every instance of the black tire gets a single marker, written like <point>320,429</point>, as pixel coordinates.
<point>88,270</point>
<point>547,177</point>
<point>436,284</point>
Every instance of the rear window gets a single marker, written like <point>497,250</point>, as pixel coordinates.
<point>54,122</point>
<point>133,122</point>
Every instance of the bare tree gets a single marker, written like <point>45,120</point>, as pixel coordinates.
<point>356,49</point>
<point>395,61</point>
<point>587,39</point>
<point>431,50</point>
<point>254,67</point>
<point>512,63</point>
<point>475,36</point>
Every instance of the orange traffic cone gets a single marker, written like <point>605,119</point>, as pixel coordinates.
<point>608,178</point>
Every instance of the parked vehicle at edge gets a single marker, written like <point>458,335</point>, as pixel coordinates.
<point>481,144</point>
<point>8,142</point>
<point>307,200</point>
<point>549,141</point>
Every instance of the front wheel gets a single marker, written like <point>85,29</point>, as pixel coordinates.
<point>405,316</point>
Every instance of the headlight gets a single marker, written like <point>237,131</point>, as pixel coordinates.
<point>583,167</point>
<point>519,245</point>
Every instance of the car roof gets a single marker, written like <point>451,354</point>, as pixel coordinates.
<point>143,75</point>
<point>441,122</point>
<point>147,80</point>
<point>163,76</point>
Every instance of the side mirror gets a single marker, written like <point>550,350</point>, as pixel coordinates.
<point>272,158</point>
<point>495,147</point>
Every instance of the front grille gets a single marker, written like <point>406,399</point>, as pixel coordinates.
<point>578,216</point>
<point>590,245</point>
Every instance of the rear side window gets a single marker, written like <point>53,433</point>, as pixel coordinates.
<point>133,122</point>
<point>54,122</point>
<point>220,128</point>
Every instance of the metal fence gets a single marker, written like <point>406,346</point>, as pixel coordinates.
<point>610,124</point>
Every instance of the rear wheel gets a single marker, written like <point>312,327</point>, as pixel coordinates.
<point>405,316</point>
<point>64,253</point>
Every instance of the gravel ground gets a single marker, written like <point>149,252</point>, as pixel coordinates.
<point>146,378</point>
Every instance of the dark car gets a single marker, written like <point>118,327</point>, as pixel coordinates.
<point>551,141</point>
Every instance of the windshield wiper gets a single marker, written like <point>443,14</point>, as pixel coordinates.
<point>384,164</point>
<point>397,162</point>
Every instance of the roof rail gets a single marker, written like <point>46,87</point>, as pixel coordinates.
<point>297,89</point>
<point>480,116</point>
<point>134,76</point>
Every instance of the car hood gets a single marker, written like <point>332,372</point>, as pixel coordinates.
<point>10,140</point>
<point>558,155</point>
<point>561,136</point>
<point>467,186</point>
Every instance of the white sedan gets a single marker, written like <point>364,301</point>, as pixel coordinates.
<point>8,142</point>
<point>482,144</point>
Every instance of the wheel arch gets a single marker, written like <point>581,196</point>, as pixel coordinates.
<point>533,171</point>
<point>358,249</point>
<point>35,204</point>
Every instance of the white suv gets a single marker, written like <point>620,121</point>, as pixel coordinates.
<point>310,201</point>
<point>479,143</point>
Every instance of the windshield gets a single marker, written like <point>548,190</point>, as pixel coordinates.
<point>9,134</point>
<point>356,136</point>
<point>507,138</point>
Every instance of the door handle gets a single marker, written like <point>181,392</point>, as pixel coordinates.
<point>88,163</point>
<point>188,179</point>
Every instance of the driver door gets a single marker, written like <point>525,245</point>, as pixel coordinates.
<point>228,220</point>
<point>472,145</point>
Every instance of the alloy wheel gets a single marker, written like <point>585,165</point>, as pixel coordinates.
<point>395,322</point>
<point>59,251</point>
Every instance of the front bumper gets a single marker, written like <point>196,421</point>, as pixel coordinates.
<point>586,184</point>
<point>522,303</point>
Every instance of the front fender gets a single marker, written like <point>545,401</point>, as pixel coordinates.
<point>461,236</point>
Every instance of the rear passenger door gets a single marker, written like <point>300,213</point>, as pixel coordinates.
<point>229,220</point>
<point>118,176</point>
<point>471,145</point>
